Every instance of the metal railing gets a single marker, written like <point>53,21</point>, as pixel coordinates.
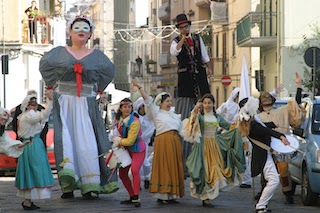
<point>256,25</point>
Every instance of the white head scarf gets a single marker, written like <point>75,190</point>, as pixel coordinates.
<point>26,101</point>
<point>230,108</point>
<point>137,104</point>
<point>5,114</point>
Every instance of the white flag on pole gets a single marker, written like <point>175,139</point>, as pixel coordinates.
<point>244,82</point>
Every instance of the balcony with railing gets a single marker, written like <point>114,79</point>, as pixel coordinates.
<point>164,12</point>
<point>36,31</point>
<point>257,30</point>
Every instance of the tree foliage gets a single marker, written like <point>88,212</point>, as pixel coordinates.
<point>313,41</point>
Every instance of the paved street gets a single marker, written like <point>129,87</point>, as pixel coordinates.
<point>237,200</point>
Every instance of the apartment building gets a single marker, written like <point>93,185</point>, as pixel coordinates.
<point>23,53</point>
<point>278,29</point>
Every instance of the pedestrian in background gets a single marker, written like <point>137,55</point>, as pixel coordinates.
<point>130,137</point>
<point>147,128</point>
<point>167,181</point>
<point>77,75</point>
<point>192,78</point>
<point>32,13</point>
<point>34,178</point>
<point>207,168</point>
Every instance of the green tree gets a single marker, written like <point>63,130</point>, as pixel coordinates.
<point>313,41</point>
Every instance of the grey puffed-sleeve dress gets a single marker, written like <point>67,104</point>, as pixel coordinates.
<point>79,132</point>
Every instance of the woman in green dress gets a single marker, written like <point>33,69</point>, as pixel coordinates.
<point>211,163</point>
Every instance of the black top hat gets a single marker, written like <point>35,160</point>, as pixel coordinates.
<point>181,19</point>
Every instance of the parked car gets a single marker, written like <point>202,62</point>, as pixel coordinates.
<point>8,164</point>
<point>305,168</point>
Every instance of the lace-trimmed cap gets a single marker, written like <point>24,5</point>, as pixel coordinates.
<point>158,98</point>
<point>84,17</point>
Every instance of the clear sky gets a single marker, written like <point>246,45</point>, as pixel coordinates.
<point>142,11</point>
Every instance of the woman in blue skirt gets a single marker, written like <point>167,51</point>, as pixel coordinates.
<point>33,176</point>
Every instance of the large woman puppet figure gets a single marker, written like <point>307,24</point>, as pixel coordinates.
<point>77,74</point>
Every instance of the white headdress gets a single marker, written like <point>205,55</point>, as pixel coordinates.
<point>249,109</point>
<point>26,101</point>
<point>158,98</point>
<point>5,114</point>
<point>84,17</point>
<point>137,104</point>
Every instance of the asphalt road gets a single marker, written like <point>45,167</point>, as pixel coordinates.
<point>237,200</point>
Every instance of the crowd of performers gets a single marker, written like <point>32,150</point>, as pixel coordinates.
<point>216,149</point>
<point>216,163</point>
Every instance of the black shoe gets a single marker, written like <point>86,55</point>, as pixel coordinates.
<point>245,186</point>
<point>67,195</point>
<point>126,202</point>
<point>171,201</point>
<point>206,203</point>
<point>289,199</point>
<point>159,201</point>
<point>136,203</point>
<point>32,207</point>
<point>129,201</point>
<point>88,196</point>
<point>146,184</point>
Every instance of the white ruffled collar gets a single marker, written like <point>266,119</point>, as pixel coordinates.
<point>124,121</point>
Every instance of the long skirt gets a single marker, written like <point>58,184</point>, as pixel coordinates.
<point>167,179</point>
<point>33,176</point>
<point>80,168</point>
<point>207,171</point>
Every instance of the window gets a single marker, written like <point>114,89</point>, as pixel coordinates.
<point>234,44</point>
<point>217,46</point>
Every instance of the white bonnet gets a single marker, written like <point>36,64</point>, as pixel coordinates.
<point>249,109</point>
<point>158,98</point>
<point>137,104</point>
<point>71,21</point>
<point>26,101</point>
<point>4,113</point>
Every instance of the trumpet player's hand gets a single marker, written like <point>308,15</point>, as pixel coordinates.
<point>183,37</point>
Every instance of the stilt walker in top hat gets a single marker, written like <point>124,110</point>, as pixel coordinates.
<point>192,76</point>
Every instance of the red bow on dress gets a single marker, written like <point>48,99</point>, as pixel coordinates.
<point>78,70</point>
